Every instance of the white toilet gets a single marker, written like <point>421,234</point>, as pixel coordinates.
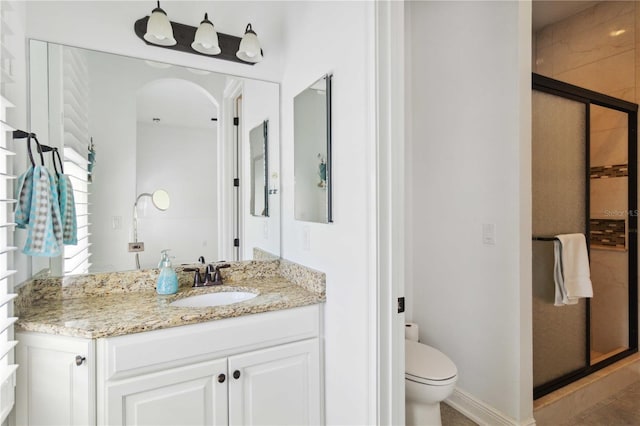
<point>430,377</point>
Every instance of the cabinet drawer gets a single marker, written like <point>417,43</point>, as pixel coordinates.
<point>142,353</point>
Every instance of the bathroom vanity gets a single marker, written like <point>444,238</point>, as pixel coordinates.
<point>104,350</point>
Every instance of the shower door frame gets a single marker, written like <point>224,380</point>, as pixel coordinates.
<point>588,98</point>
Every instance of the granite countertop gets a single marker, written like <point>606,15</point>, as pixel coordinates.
<point>119,303</point>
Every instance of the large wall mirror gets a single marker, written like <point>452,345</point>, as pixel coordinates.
<point>312,152</point>
<point>157,126</point>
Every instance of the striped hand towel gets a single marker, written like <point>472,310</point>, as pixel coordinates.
<point>67,210</point>
<point>44,230</point>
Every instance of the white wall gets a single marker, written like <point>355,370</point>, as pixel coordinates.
<point>469,80</point>
<point>341,249</point>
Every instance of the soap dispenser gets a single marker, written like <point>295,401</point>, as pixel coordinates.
<point>168,279</point>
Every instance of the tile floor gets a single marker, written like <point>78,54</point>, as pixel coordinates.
<point>621,409</point>
<point>451,417</point>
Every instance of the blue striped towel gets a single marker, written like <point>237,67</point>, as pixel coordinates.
<point>67,210</point>
<point>44,227</point>
<point>24,189</point>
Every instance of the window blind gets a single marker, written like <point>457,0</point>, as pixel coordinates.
<point>76,258</point>
<point>75,86</point>
<point>8,369</point>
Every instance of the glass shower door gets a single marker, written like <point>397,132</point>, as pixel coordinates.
<point>609,223</point>
<point>559,158</point>
<point>584,180</point>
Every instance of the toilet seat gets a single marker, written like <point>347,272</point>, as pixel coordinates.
<point>427,365</point>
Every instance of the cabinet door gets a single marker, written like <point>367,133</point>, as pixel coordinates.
<point>52,389</point>
<point>191,395</point>
<point>276,386</point>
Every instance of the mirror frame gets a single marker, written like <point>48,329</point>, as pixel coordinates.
<point>327,79</point>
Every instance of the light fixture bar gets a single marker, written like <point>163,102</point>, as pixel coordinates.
<point>184,35</point>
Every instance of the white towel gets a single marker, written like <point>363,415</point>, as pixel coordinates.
<point>571,269</point>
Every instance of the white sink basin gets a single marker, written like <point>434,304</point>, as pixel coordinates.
<point>213,299</point>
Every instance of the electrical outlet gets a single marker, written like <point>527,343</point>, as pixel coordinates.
<point>136,247</point>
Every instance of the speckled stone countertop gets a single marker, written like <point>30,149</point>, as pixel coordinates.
<point>119,303</point>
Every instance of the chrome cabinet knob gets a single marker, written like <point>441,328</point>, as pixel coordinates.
<point>80,359</point>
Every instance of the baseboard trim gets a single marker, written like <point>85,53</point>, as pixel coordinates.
<point>482,413</point>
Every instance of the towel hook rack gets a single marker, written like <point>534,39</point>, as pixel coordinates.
<point>54,153</point>
<point>21,134</point>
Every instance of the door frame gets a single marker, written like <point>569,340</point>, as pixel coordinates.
<point>390,212</point>
<point>230,223</point>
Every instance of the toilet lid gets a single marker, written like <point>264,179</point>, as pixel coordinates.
<point>428,363</point>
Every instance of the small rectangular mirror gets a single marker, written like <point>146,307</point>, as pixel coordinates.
<point>312,152</point>
<point>258,147</point>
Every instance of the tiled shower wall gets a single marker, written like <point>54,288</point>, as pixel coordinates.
<point>599,49</point>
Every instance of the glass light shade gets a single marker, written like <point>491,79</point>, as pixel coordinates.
<point>249,50</point>
<point>206,38</point>
<point>159,29</point>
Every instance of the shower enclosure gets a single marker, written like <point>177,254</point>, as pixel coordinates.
<point>584,180</point>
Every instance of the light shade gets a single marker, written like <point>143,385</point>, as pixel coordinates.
<point>159,29</point>
<point>249,50</point>
<point>206,38</point>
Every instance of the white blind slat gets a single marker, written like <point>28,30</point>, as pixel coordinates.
<point>7,274</point>
<point>6,299</point>
<point>6,347</point>
<point>6,323</point>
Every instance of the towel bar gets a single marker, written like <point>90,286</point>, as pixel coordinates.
<point>544,238</point>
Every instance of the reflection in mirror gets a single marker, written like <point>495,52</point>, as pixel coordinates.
<point>312,152</point>
<point>154,126</point>
<point>161,201</point>
<point>258,146</point>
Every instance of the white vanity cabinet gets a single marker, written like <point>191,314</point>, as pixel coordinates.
<point>275,386</point>
<point>189,395</point>
<point>56,380</point>
<point>256,369</point>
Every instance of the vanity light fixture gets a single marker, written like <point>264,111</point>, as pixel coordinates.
<point>249,50</point>
<point>206,38</point>
<point>157,30</point>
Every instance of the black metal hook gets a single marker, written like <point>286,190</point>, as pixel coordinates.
<point>54,153</point>
<point>21,134</point>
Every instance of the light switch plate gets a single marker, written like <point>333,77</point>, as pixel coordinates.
<point>489,234</point>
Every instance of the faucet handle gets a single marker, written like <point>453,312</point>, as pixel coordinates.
<point>217,276</point>
<point>197,279</point>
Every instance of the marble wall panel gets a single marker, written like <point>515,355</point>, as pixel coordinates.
<point>608,147</point>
